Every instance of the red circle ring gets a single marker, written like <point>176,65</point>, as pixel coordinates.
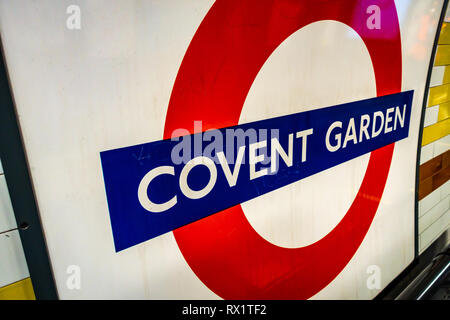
<point>225,55</point>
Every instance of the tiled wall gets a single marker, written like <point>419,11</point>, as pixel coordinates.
<point>434,186</point>
<point>14,277</point>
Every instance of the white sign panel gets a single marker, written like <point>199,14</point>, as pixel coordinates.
<point>230,149</point>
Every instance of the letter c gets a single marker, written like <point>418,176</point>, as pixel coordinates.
<point>143,186</point>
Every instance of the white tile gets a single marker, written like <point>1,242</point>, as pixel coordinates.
<point>433,214</point>
<point>434,231</point>
<point>7,219</point>
<point>429,202</point>
<point>437,76</point>
<point>426,153</point>
<point>441,146</point>
<point>445,190</point>
<point>431,116</point>
<point>13,266</point>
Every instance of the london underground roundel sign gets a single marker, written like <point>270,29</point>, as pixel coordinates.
<point>216,74</point>
<point>150,192</point>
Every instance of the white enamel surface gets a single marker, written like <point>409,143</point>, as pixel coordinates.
<point>294,79</point>
<point>82,92</point>
<point>107,85</point>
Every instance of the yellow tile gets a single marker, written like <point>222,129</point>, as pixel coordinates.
<point>444,111</point>
<point>438,95</point>
<point>444,37</point>
<point>442,55</point>
<point>435,132</point>
<point>20,290</point>
<point>446,75</point>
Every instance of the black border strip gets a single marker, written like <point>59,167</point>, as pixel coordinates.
<point>422,119</point>
<point>20,188</point>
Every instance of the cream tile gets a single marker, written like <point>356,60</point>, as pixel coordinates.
<point>434,231</point>
<point>7,219</point>
<point>13,266</point>
<point>441,146</point>
<point>431,116</point>
<point>437,76</point>
<point>429,202</point>
<point>426,153</point>
<point>433,214</point>
<point>445,190</point>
